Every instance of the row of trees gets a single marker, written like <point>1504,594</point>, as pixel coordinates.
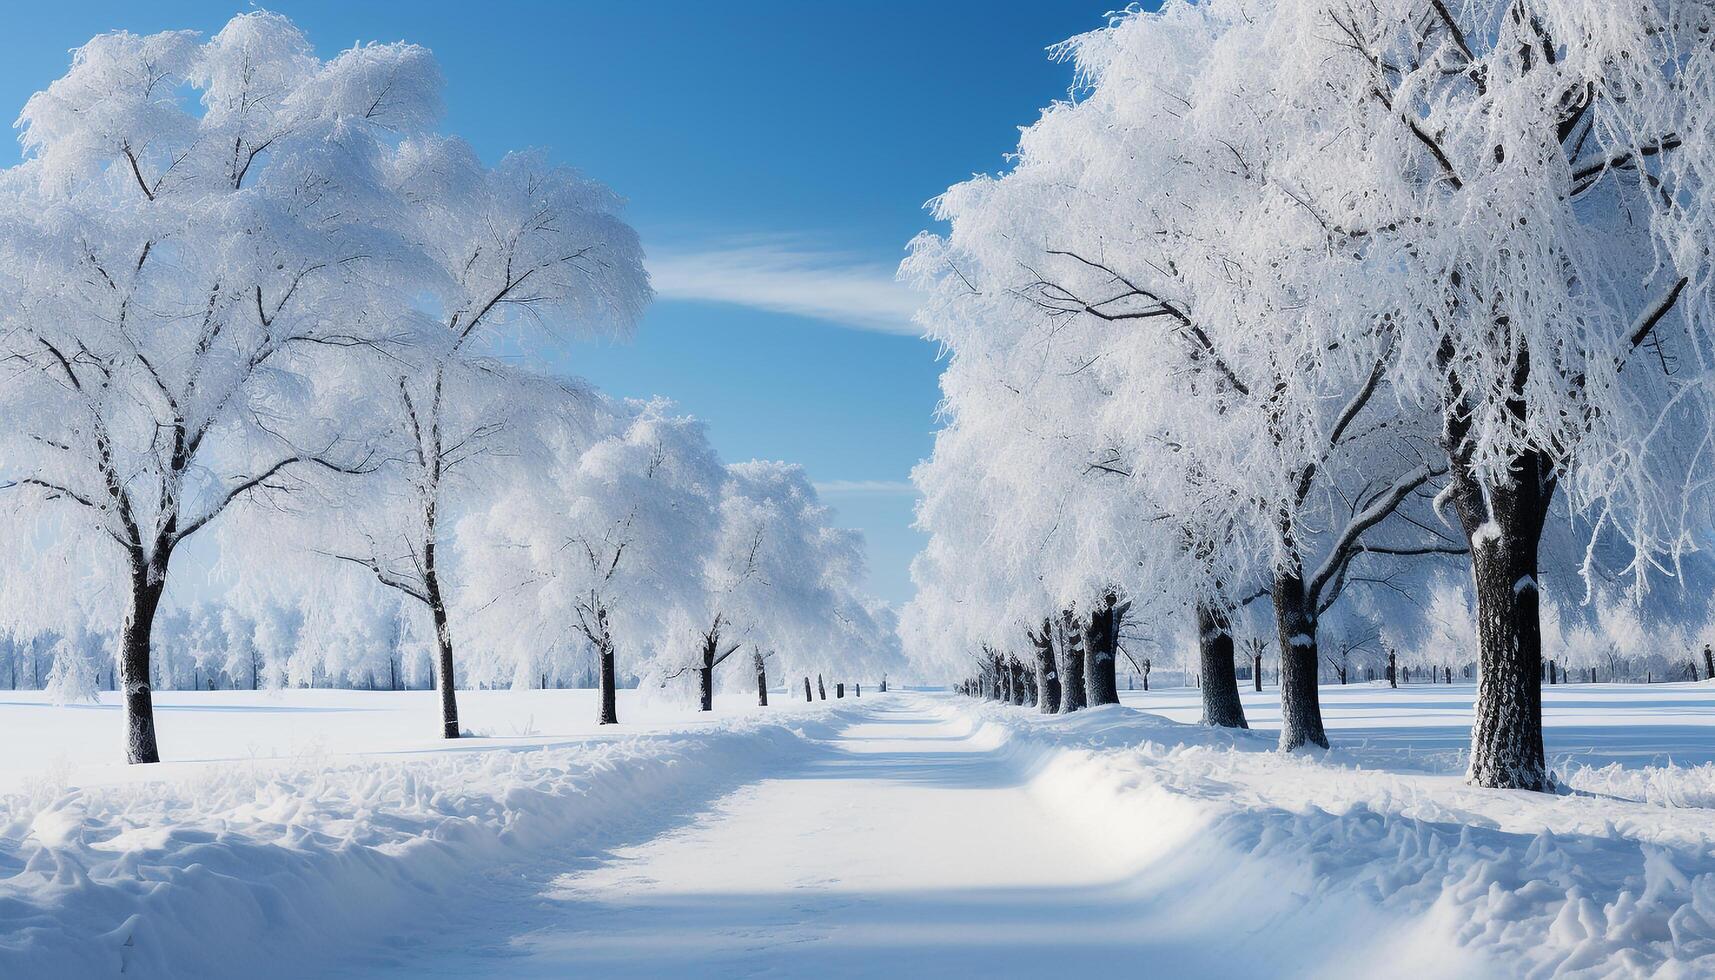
<point>1296,305</point>
<point>246,288</point>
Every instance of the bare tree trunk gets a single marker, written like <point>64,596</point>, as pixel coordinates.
<point>821,691</point>
<point>608,683</point>
<point>1506,741</point>
<point>1073,694</point>
<point>1218,680</point>
<point>839,690</point>
<point>807,696</point>
<point>1047,670</point>
<point>1708,663</point>
<point>1300,698</point>
<point>761,679</point>
<point>134,664</point>
<point>1101,639</point>
<point>1503,525</point>
<point>443,647</point>
<point>706,672</point>
<point>443,656</point>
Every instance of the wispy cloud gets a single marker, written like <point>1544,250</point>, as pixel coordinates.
<point>780,277</point>
<point>868,487</point>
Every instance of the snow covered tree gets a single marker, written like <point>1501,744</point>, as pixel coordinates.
<point>603,536</point>
<point>1276,267</point>
<point>520,244</point>
<point>1522,179</point>
<point>179,279</point>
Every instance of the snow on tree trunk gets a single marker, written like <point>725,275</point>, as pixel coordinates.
<point>1217,678</point>
<point>1073,694</point>
<point>1503,523</point>
<point>1300,699</point>
<point>1047,671</point>
<point>1506,739</point>
<point>706,678</point>
<point>761,679</point>
<point>1100,648</point>
<point>609,682</point>
<point>140,744</point>
<point>443,656</point>
<point>821,690</point>
<point>807,696</point>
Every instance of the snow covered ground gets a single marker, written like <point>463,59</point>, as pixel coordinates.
<point>309,833</point>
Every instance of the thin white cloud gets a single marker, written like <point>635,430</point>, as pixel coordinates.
<point>870,487</point>
<point>781,278</point>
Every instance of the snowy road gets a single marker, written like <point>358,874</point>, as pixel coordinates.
<point>912,834</point>
<point>903,848</point>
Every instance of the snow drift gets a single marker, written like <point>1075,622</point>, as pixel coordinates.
<point>1342,863</point>
<point>264,870</point>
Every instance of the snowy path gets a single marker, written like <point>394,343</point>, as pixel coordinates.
<point>904,847</point>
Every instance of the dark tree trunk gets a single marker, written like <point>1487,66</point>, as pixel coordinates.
<point>608,683</point>
<point>1503,525</point>
<point>839,689</point>
<point>1003,679</point>
<point>1015,670</point>
<point>134,665</point>
<point>1300,699</point>
<point>1708,663</point>
<point>884,683</point>
<point>1217,678</point>
<point>857,689</point>
<point>1073,695</point>
<point>1047,670</point>
<point>761,679</point>
<point>1392,670</point>
<point>706,670</point>
<point>821,691</point>
<point>1256,672</point>
<point>807,696</point>
<point>1101,646</point>
<point>443,644</point>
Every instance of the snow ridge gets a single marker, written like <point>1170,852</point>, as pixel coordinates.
<point>1460,881</point>
<point>230,873</point>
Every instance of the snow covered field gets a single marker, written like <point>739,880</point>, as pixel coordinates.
<point>898,834</point>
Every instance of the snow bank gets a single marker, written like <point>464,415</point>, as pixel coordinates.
<point>230,871</point>
<point>1318,861</point>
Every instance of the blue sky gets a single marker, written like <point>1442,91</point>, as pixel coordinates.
<point>776,156</point>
